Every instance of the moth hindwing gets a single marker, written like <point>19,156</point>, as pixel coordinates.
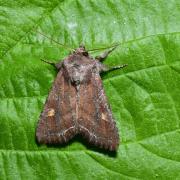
<point>77,104</point>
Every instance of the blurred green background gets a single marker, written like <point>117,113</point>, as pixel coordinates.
<point>145,96</point>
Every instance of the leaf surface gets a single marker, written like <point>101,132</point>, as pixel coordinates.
<point>144,96</point>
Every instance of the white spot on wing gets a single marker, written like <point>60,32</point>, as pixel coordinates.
<point>51,112</point>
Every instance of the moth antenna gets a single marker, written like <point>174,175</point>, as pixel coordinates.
<point>52,63</point>
<point>96,49</point>
<point>63,45</point>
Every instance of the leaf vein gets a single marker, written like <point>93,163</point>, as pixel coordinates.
<point>161,156</point>
<point>120,173</point>
<point>31,29</point>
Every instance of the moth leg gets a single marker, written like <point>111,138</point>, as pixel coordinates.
<point>56,65</point>
<point>104,55</point>
<point>114,68</point>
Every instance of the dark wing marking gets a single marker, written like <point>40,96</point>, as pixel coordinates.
<point>58,119</point>
<point>95,118</point>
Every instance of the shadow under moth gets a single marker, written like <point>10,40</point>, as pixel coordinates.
<point>77,103</point>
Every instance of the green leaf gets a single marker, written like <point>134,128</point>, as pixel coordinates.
<point>145,96</point>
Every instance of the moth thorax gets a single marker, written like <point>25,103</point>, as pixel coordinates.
<point>77,77</point>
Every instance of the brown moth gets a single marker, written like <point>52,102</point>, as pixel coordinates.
<point>77,103</point>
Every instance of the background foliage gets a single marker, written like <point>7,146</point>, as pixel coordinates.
<point>145,97</point>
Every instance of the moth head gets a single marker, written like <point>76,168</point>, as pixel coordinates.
<point>81,50</point>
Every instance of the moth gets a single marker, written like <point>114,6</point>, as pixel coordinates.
<point>77,103</point>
